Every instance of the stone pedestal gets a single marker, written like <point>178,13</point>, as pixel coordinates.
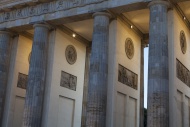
<point>36,79</point>
<point>158,75</point>
<point>97,89</point>
<point>5,47</point>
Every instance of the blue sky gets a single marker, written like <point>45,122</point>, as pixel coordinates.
<point>145,75</point>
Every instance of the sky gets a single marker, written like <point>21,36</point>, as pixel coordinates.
<point>145,75</point>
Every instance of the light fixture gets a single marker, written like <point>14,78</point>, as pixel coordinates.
<point>74,35</point>
<point>131,26</point>
<point>184,18</point>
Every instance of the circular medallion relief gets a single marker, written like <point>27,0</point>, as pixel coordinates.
<point>183,42</point>
<point>129,48</point>
<point>71,54</point>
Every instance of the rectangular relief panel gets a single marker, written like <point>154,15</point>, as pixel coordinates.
<point>68,81</point>
<point>121,110</point>
<point>127,77</point>
<point>22,81</point>
<point>182,73</point>
<point>179,111</point>
<point>66,112</point>
<point>132,112</point>
<point>18,111</point>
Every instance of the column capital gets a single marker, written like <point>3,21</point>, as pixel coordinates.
<point>156,2</point>
<point>102,13</point>
<point>42,25</point>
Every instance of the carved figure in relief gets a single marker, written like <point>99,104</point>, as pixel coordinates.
<point>71,54</point>
<point>59,4</point>
<point>183,42</point>
<point>45,7</point>
<point>22,81</point>
<point>127,77</point>
<point>76,2</point>
<point>7,16</point>
<point>129,48</point>
<point>32,10</point>
<point>183,73</point>
<point>69,81</point>
<point>19,13</point>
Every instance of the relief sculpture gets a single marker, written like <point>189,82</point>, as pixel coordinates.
<point>129,48</point>
<point>182,73</point>
<point>43,8</point>
<point>183,42</point>
<point>127,77</point>
<point>69,81</point>
<point>71,54</point>
<point>22,81</point>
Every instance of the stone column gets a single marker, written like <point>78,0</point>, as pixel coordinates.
<point>97,89</point>
<point>158,72</point>
<point>5,47</point>
<point>142,86</point>
<point>36,78</point>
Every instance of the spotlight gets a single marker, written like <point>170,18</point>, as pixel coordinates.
<point>131,26</point>
<point>184,18</point>
<point>74,35</point>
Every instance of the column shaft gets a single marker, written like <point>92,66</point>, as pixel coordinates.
<point>142,86</point>
<point>5,47</point>
<point>36,79</point>
<point>158,73</point>
<point>97,89</point>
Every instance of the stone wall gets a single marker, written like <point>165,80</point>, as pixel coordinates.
<point>66,90</point>
<point>16,95</point>
<point>179,70</point>
<point>125,95</point>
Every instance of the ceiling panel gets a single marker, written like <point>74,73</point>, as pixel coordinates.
<point>185,7</point>
<point>140,19</point>
<point>83,28</point>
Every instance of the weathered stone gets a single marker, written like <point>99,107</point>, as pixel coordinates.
<point>5,47</point>
<point>36,79</point>
<point>142,86</point>
<point>158,75</point>
<point>97,89</point>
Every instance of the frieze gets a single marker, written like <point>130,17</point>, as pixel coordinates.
<point>68,81</point>
<point>44,8</point>
<point>182,73</point>
<point>22,81</point>
<point>127,77</point>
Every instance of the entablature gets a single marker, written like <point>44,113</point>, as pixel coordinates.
<point>7,5</point>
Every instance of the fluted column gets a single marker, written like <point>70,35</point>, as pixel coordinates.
<point>5,47</point>
<point>158,72</point>
<point>36,79</point>
<point>97,89</point>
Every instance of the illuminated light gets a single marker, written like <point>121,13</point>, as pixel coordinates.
<point>184,18</point>
<point>131,27</point>
<point>74,35</point>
